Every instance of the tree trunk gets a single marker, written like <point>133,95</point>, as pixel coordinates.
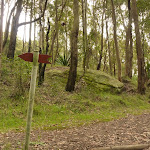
<point>54,35</point>
<point>131,50</point>
<point>144,48</point>
<point>129,47</point>
<point>1,26</point>
<point>40,43</point>
<point>42,70</point>
<point>116,41</point>
<point>105,61</point>
<point>85,47</point>
<point>1,31</point>
<point>74,49</point>
<point>14,29</point>
<point>24,35</point>
<point>34,44</point>
<point>66,34</point>
<point>30,29</point>
<point>102,44</point>
<point>56,29</point>
<point>114,60</point>
<point>108,44</point>
<point>95,31</point>
<point>140,58</point>
<point>7,25</point>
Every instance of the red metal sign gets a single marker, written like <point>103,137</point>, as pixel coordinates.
<point>29,57</point>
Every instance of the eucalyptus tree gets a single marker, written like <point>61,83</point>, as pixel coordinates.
<point>140,56</point>
<point>14,28</point>
<point>116,41</point>
<point>30,29</point>
<point>56,27</point>
<point>24,35</point>
<point>85,42</point>
<point>102,37</point>
<point>41,43</point>
<point>74,48</point>
<point>42,69</point>
<point>129,44</point>
<point>66,33</point>
<point>1,30</point>
<point>144,18</point>
<point>8,24</point>
<point>16,25</point>
<point>93,36</point>
<point>108,39</point>
<point>1,25</point>
<point>56,14</point>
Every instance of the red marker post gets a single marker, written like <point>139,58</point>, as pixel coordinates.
<point>35,58</point>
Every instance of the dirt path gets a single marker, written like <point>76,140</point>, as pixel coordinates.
<point>127,131</point>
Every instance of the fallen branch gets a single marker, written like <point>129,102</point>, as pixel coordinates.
<point>125,147</point>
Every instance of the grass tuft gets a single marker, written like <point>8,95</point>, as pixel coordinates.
<point>98,97</point>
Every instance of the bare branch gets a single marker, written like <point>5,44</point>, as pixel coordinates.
<point>24,23</point>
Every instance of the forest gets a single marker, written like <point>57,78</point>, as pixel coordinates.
<point>69,66</point>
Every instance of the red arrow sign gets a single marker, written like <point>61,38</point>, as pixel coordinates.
<point>44,59</point>
<point>29,57</point>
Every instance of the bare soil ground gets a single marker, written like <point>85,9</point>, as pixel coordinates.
<point>126,131</point>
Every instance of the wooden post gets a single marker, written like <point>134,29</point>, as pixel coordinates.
<point>31,98</point>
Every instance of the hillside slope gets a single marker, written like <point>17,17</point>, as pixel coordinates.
<point>97,97</point>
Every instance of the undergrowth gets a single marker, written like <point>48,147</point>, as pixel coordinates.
<point>96,98</point>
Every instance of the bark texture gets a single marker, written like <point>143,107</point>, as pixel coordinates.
<point>85,44</point>
<point>74,49</point>
<point>42,69</point>
<point>1,25</point>
<point>129,44</point>
<point>8,24</point>
<point>1,31</point>
<point>108,42</point>
<point>55,32</point>
<point>14,29</point>
<point>140,56</point>
<point>116,41</point>
<point>102,41</point>
<point>30,29</point>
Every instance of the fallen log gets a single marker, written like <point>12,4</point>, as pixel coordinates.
<point>125,147</point>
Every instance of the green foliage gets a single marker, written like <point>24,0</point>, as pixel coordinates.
<point>148,70</point>
<point>57,109</point>
<point>143,5</point>
<point>143,8</point>
<point>63,60</point>
<point>16,73</point>
<point>97,96</point>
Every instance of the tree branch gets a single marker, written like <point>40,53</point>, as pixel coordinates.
<point>24,23</point>
<point>63,6</point>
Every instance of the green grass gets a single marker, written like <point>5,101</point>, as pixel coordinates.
<point>96,99</point>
